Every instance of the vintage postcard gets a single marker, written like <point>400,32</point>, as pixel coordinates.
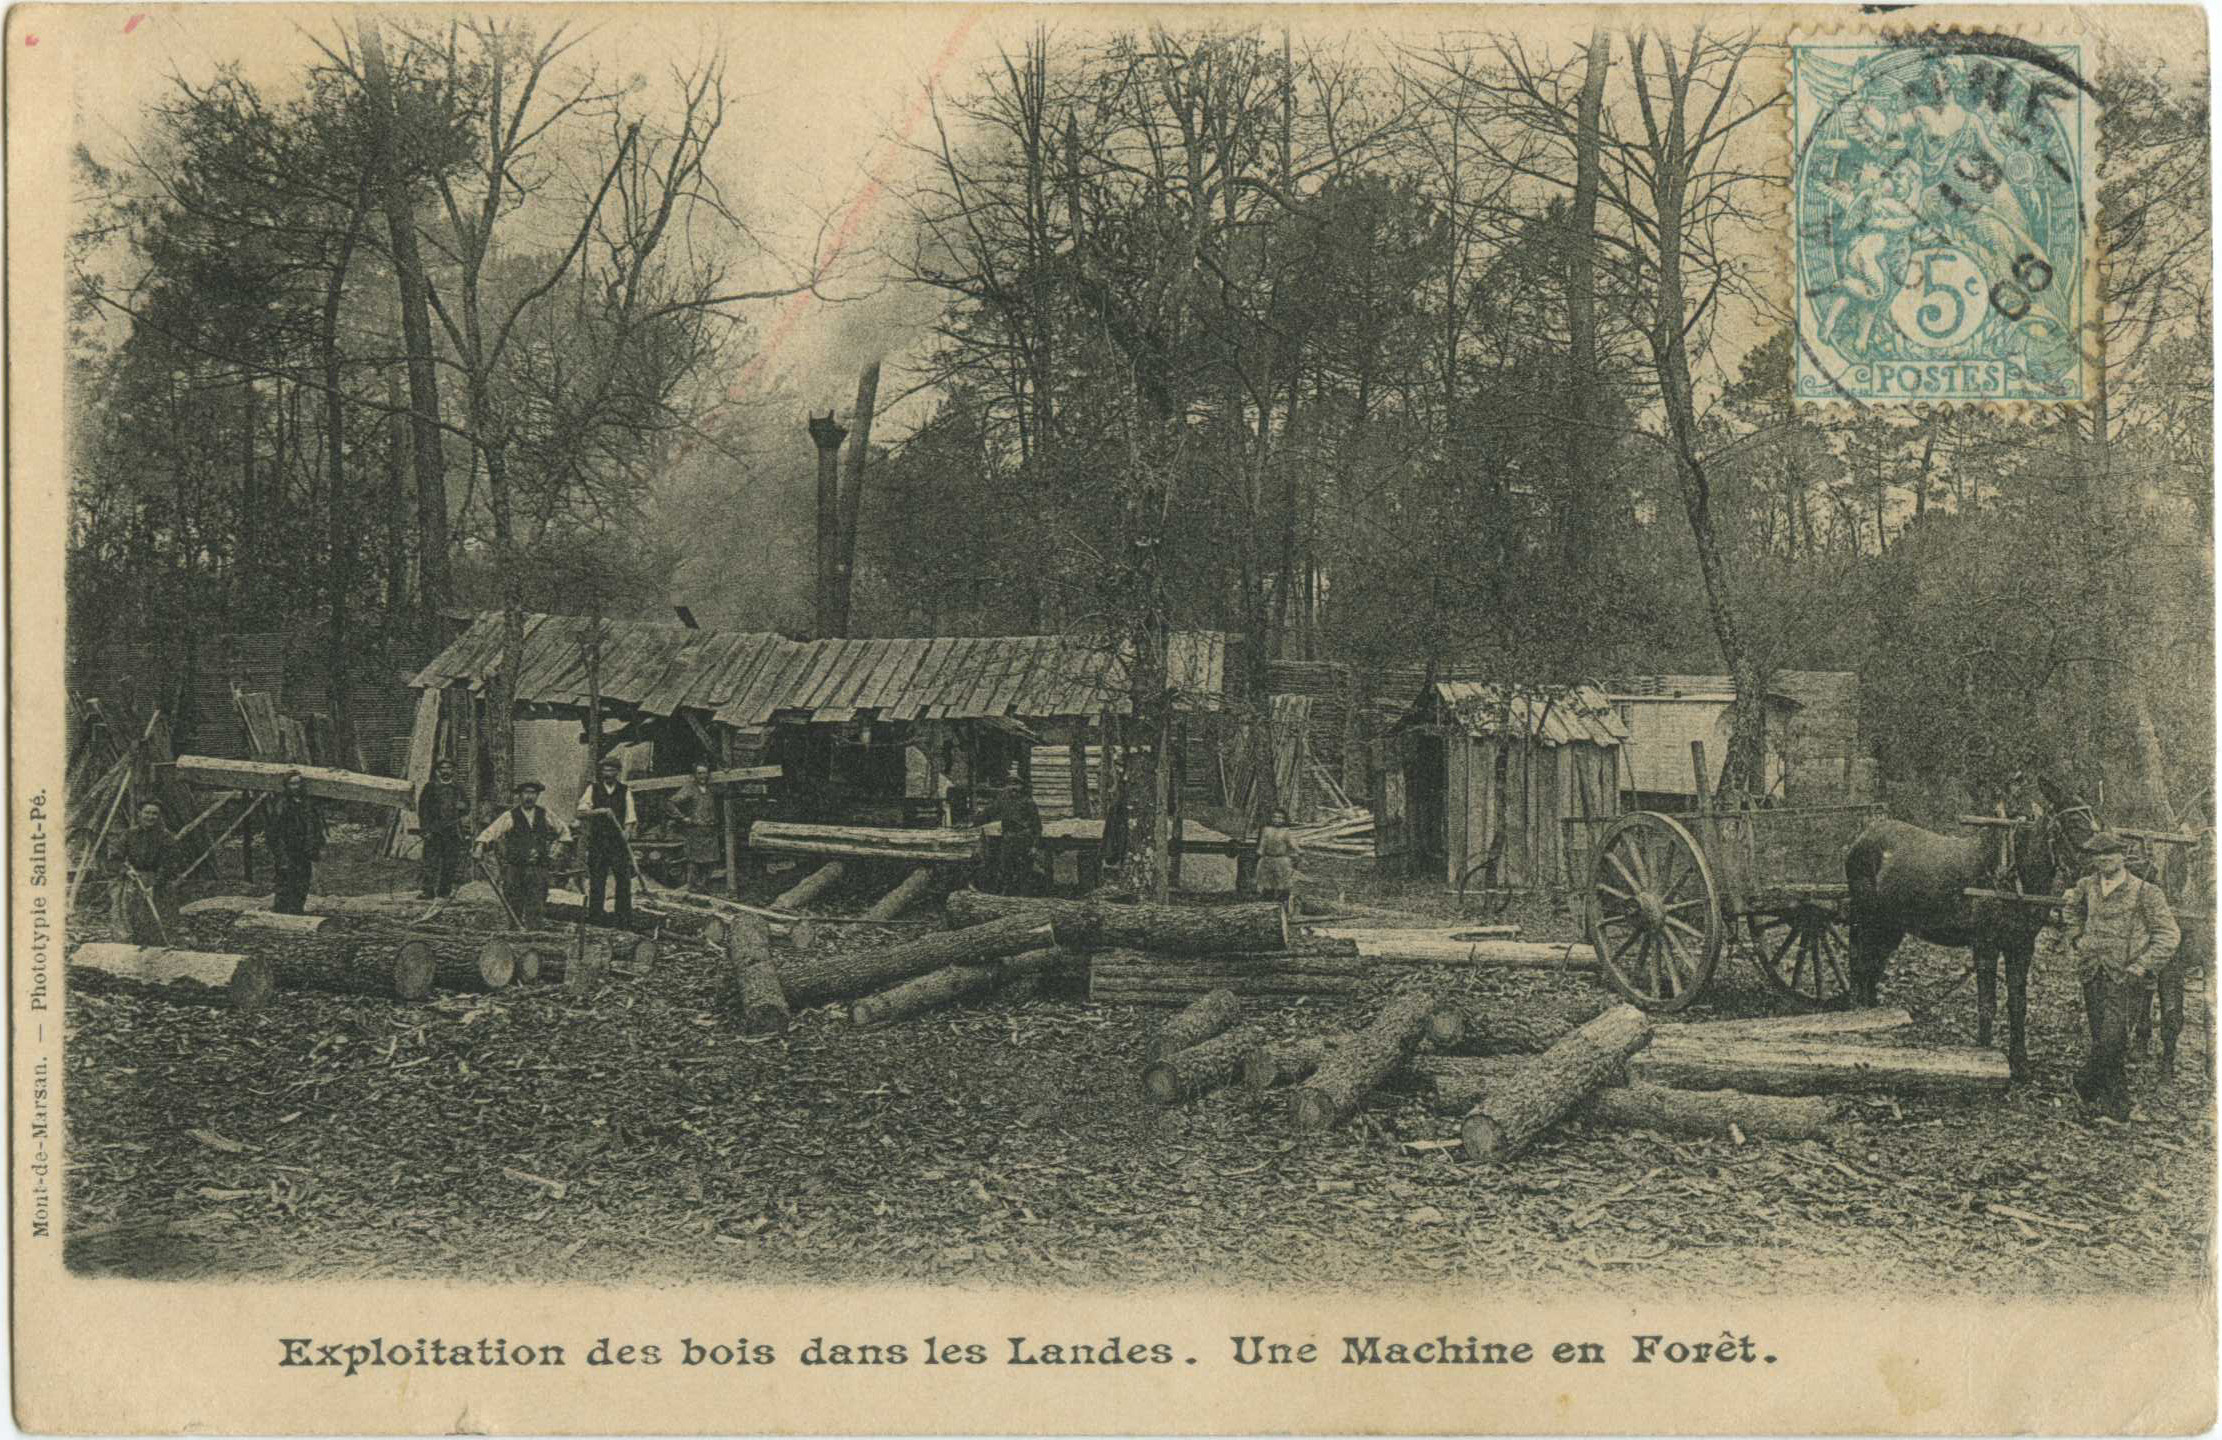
<point>916,719</point>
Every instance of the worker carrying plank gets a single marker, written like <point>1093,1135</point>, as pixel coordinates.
<point>527,836</point>
<point>296,843</point>
<point>145,861</point>
<point>606,820</point>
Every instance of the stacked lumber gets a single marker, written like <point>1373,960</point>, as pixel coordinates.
<point>194,976</point>
<point>324,782</point>
<point>867,842</point>
<point>1346,832</point>
<point>1174,929</point>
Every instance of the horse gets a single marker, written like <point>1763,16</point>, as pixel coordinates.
<point>1908,881</point>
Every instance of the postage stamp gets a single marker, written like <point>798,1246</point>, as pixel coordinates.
<point>1945,220</point>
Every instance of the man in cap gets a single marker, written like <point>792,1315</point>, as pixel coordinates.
<point>1021,822</point>
<point>606,819</point>
<point>440,823</point>
<point>296,843</point>
<point>2121,931</point>
<point>527,836</point>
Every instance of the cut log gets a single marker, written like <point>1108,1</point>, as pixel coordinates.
<point>953,982</point>
<point>272,920</point>
<point>1361,1061</point>
<point>1197,1023</point>
<point>748,941</point>
<point>1387,935</point>
<point>390,965</point>
<point>760,999</point>
<point>1524,1027</point>
<point>816,978</point>
<point>1200,1069</point>
<point>1825,1022</point>
<point>864,842</point>
<point>1478,954</point>
<point>1126,977</point>
<point>1686,1058</point>
<point>325,783</point>
<point>491,967</point>
<point>198,976</point>
<point>818,882</point>
<point>1711,1112</point>
<point>1544,1089</point>
<point>903,896</point>
<point>636,953</point>
<point>1177,929</point>
<point>575,969</point>
<point>1267,1066</point>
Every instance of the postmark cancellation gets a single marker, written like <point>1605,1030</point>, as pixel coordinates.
<point>1945,219</point>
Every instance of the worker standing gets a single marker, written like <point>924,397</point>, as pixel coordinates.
<point>606,820</point>
<point>1277,861</point>
<point>440,823</point>
<point>1021,822</point>
<point>696,809</point>
<point>296,844</point>
<point>145,860</point>
<point>528,836</point>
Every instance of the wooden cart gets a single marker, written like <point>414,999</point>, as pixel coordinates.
<point>1669,893</point>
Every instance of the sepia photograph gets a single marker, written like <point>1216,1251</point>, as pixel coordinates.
<point>1029,656</point>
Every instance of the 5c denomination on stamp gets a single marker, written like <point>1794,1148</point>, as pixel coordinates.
<point>1945,215</point>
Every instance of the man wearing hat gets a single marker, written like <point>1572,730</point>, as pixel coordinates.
<point>296,842</point>
<point>527,837</point>
<point>606,818</point>
<point>2121,931</point>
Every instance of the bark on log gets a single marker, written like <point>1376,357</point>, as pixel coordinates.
<point>818,881</point>
<point>761,999</point>
<point>1361,1061</point>
<point>748,941</point>
<point>1179,929</point>
<point>1130,977</point>
<point>903,896</point>
<point>1197,1023</point>
<point>1467,1027</point>
<point>815,979</point>
<point>952,983</point>
<point>1200,1069</point>
<point>1455,1085</point>
<point>391,965</point>
<point>1787,1065</point>
<point>1267,1066</point>
<point>1827,1022</point>
<point>199,976</point>
<point>1544,1089</point>
<point>272,920</point>
<point>1480,954</point>
<point>865,842</point>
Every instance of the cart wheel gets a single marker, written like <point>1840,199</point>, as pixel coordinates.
<point>1806,953</point>
<point>1654,912</point>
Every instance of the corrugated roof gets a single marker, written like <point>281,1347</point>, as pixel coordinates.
<point>749,679</point>
<point>1582,715</point>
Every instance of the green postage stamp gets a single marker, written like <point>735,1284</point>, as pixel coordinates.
<point>1945,218</point>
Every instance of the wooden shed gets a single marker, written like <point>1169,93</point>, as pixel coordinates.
<point>1481,775</point>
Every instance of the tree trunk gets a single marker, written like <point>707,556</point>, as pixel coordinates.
<point>1546,1088</point>
<point>827,436</point>
<point>852,494</point>
<point>1178,929</point>
<point>390,966</point>
<point>343,533</point>
<point>815,979</point>
<point>1585,488</point>
<point>271,920</point>
<point>903,896</point>
<point>952,983</point>
<point>1132,977</point>
<point>1215,1012</point>
<point>416,325</point>
<point>396,522</point>
<point>1266,1066</point>
<point>1200,1069</point>
<point>819,881</point>
<point>242,981</point>
<point>1456,1086</point>
<point>1791,1066</point>
<point>1479,954</point>
<point>1361,1061</point>
<point>1462,1027</point>
<point>760,999</point>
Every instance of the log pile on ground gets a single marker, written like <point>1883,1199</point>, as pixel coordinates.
<point>1455,1085</point>
<point>816,883</point>
<point>1398,948</point>
<point>952,983</point>
<point>1104,924</point>
<point>864,842</point>
<point>1180,1076</point>
<point>839,975</point>
<point>1267,1066</point>
<point>1543,1090</point>
<point>195,976</point>
<point>1201,1020</point>
<point>1466,1027</point>
<point>902,897</point>
<point>1135,977</point>
<point>1361,1061</point>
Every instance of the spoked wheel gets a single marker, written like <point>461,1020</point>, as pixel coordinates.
<point>1806,954</point>
<point>1654,912</point>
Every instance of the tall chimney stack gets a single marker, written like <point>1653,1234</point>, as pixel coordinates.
<point>827,436</point>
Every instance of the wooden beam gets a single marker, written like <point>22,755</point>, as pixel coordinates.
<point>743,775</point>
<point>268,776</point>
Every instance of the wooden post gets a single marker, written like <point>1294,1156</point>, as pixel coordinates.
<point>730,808</point>
<point>1175,761</point>
<point>1077,749</point>
<point>1698,772</point>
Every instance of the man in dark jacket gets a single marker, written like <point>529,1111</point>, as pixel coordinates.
<point>2121,931</point>
<point>1021,820</point>
<point>145,861</point>
<point>440,823</point>
<point>526,838</point>
<point>296,842</point>
<point>606,819</point>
